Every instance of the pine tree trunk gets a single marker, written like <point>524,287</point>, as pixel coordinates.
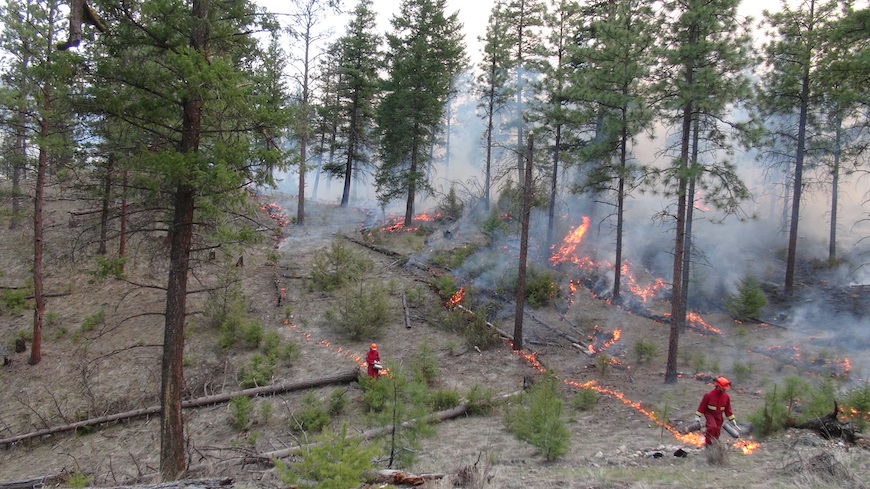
<point>524,247</point>
<point>172,457</point>
<point>104,214</point>
<point>38,238</point>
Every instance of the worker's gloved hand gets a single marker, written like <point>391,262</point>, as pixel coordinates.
<point>735,425</point>
<point>702,422</point>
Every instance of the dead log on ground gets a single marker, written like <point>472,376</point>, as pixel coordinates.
<point>575,342</point>
<point>225,483</point>
<point>60,479</point>
<point>268,457</point>
<point>398,477</point>
<point>46,480</point>
<point>829,427</point>
<point>343,378</point>
<point>405,308</point>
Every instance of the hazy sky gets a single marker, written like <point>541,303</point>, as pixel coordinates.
<point>474,14</point>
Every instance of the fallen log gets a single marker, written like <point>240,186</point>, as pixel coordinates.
<point>268,457</point>
<point>60,479</point>
<point>46,480</point>
<point>343,378</point>
<point>575,342</point>
<point>398,477</point>
<point>182,484</point>
<point>405,308</point>
<point>829,427</point>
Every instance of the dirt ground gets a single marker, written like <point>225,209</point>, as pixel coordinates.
<point>113,366</point>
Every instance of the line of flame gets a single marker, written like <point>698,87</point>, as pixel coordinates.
<point>696,438</point>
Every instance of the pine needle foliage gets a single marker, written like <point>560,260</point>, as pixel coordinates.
<point>747,303</point>
<point>537,419</point>
<point>335,460</point>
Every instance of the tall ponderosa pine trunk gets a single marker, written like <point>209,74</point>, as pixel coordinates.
<point>38,231</point>
<point>520,299</point>
<point>172,456</point>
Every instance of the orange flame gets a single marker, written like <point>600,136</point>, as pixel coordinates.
<point>574,238</point>
<point>747,446</point>
<point>455,299</point>
<point>693,438</point>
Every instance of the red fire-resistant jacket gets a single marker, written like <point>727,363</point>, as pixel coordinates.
<point>713,405</point>
<point>371,357</point>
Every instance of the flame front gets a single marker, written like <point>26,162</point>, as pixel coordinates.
<point>566,251</point>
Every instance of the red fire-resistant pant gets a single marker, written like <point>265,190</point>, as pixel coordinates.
<point>713,428</point>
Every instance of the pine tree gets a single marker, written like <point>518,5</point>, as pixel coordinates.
<point>186,77</point>
<point>790,88</point>
<point>611,84</point>
<point>306,30</point>
<point>705,59</point>
<point>425,53</point>
<point>493,91</point>
<point>358,87</point>
<point>38,95</point>
<point>552,108</point>
<point>524,20</point>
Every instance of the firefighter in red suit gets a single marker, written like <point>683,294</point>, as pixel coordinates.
<point>372,357</point>
<point>714,408</point>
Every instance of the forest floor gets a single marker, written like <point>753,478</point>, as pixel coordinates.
<point>101,355</point>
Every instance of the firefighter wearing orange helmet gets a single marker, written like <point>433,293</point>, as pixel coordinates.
<point>715,406</point>
<point>373,361</point>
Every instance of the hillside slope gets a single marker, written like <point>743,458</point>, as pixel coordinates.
<point>101,355</point>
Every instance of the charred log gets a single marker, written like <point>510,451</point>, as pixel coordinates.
<point>830,427</point>
<point>398,477</point>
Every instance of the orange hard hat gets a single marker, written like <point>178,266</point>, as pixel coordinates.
<point>374,346</point>
<point>722,382</point>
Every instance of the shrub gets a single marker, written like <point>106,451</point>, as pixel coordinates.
<point>747,303</point>
<point>336,267</point>
<point>454,258</point>
<point>742,371</point>
<point>645,351</point>
<point>792,403</point>
<point>584,400</point>
<point>444,399</point>
<point>335,461</point>
<point>251,333</point>
<point>362,310</point>
<point>240,412</point>
<point>480,400</point>
<point>273,347</point>
<point>313,417</point>
<point>425,368</point>
<point>494,227</point>
<point>257,372</point>
<point>91,322</point>
<point>474,328</point>
<point>337,402</point>
<point>445,286</point>
<point>537,419</point>
<point>375,394</point>
<point>108,267</point>
<point>857,400</point>
<point>451,207</point>
<point>541,289</point>
<point>78,480</point>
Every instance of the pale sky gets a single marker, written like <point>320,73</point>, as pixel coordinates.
<point>474,15</point>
